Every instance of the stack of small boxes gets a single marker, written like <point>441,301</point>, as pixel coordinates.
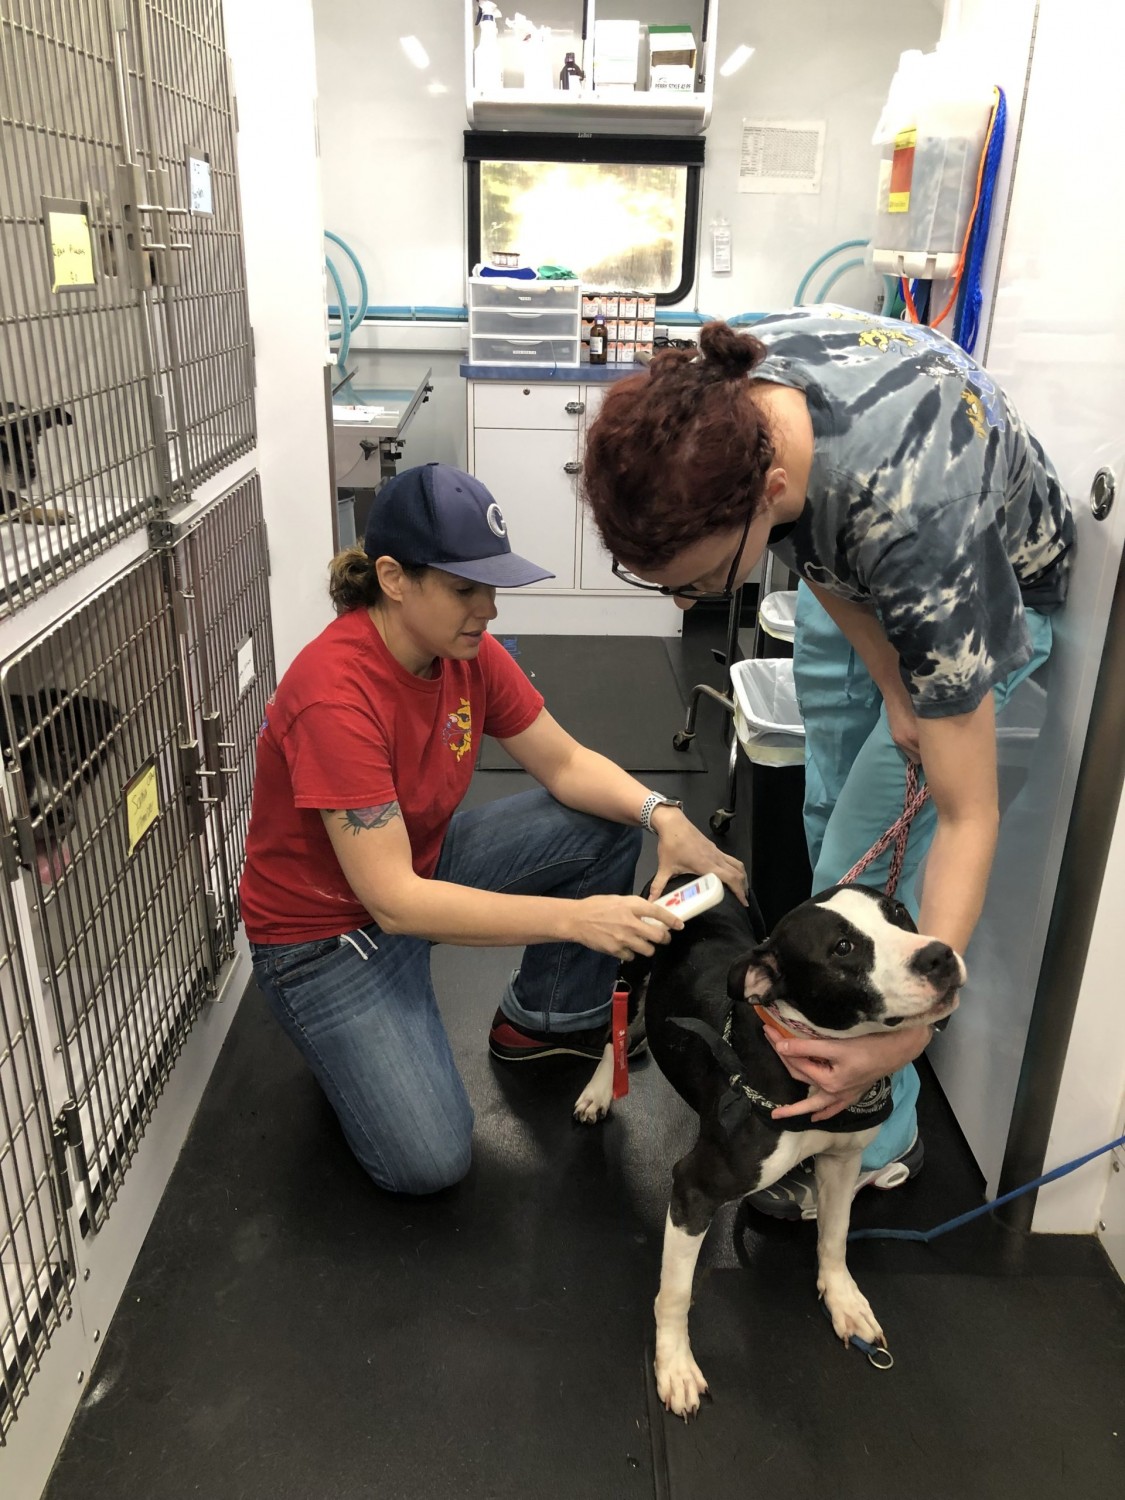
<point>630,319</point>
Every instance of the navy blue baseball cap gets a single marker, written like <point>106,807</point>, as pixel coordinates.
<point>439,516</point>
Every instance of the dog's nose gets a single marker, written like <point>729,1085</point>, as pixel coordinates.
<point>936,962</point>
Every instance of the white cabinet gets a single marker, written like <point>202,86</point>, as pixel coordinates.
<point>526,441</point>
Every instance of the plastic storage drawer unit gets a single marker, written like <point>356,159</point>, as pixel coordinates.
<point>524,322</point>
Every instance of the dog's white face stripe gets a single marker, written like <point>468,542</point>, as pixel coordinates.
<point>904,990</point>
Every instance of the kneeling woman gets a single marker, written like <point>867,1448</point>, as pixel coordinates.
<point>357,859</point>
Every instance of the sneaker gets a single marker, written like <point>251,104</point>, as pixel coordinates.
<point>512,1043</point>
<point>794,1195</point>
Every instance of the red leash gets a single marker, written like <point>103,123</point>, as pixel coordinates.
<point>898,834</point>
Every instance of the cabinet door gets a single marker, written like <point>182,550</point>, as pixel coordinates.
<point>596,560</point>
<point>507,403</point>
<point>526,471</point>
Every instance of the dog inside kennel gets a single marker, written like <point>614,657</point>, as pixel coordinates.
<point>204,1291</point>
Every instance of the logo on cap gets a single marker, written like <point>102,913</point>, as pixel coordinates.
<point>495,518</point>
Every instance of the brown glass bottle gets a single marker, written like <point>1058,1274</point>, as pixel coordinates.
<point>598,349</point>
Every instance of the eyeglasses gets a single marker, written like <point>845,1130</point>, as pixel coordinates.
<point>688,590</point>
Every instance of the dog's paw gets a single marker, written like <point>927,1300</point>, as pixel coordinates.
<point>849,1310</point>
<point>593,1104</point>
<point>680,1384</point>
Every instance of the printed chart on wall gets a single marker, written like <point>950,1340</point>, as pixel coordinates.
<point>781,156</point>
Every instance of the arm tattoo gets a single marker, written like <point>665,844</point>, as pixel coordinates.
<point>358,819</point>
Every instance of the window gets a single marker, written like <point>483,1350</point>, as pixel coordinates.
<point>620,212</point>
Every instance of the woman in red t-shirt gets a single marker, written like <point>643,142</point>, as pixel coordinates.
<point>357,859</point>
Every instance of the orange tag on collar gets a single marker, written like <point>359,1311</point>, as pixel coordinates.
<point>772,1022</point>
<point>619,1028</point>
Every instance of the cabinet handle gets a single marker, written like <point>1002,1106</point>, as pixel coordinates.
<point>574,408</point>
<point>573,467</point>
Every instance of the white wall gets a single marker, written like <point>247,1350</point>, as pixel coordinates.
<point>275,84</point>
<point>392,152</point>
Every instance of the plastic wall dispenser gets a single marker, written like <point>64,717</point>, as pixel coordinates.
<point>931,134</point>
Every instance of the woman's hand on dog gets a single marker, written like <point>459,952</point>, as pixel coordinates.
<point>683,850</point>
<point>622,926</point>
<point>841,1072</point>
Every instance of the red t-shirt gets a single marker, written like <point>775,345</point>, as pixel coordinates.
<point>349,726</point>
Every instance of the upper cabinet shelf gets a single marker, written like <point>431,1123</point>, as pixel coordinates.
<point>659,111</point>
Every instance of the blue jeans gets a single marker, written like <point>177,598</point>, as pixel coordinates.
<point>855,783</point>
<point>361,1007</point>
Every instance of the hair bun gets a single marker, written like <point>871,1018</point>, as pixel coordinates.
<point>729,353</point>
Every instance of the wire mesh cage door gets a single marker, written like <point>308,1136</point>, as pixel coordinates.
<point>187,142</point>
<point>107,825</point>
<point>36,1252</point>
<point>222,571</point>
<point>82,446</point>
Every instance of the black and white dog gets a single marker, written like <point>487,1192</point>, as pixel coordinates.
<point>61,740</point>
<point>847,963</point>
<point>20,432</point>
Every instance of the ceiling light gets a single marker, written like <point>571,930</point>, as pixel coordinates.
<point>735,61</point>
<point>436,88</point>
<point>415,51</point>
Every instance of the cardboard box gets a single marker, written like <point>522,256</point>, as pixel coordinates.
<point>617,46</point>
<point>671,57</point>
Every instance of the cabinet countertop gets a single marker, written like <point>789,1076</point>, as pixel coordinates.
<point>570,374</point>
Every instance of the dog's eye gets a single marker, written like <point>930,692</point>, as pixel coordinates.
<point>844,947</point>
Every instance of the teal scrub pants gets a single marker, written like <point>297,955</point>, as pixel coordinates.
<point>855,783</point>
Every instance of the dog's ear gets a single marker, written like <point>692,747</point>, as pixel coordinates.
<point>754,976</point>
<point>93,721</point>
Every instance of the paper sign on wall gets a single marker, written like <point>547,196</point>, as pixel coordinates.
<point>142,804</point>
<point>70,246</point>
<point>199,184</point>
<point>781,156</point>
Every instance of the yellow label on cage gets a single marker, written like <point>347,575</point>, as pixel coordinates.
<point>142,805</point>
<point>72,250</point>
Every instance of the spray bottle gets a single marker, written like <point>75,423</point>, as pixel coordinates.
<point>488,72</point>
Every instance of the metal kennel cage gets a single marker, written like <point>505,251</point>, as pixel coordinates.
<point>181,80</point>
<point>126,368</point>
<point>36,1253</point>
<point>107,825</point>
<point>81,437</point>
<point>222,576</point>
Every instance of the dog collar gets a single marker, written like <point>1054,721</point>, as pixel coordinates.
<point>872,1109</point>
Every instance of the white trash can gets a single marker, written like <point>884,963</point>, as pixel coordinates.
<point>778,614</point>
<point>770,781</point>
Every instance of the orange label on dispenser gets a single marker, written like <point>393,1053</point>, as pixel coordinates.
<point>902,171</point>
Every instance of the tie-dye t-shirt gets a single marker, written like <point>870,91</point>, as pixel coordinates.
<point>928,498</point>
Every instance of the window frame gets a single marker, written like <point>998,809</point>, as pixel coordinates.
<point>610,150</point>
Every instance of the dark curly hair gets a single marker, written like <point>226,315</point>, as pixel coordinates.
<point>680,452</point>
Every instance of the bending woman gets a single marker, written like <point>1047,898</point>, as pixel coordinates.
<point>357,859</point>
<point>931,534</point>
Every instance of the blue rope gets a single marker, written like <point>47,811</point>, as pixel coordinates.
<point>967,323</point>
<point>924,1236</point>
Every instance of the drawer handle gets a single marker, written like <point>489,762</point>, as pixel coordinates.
<point>573,467</point>
<point>574,408</point>
<point>518,312</point>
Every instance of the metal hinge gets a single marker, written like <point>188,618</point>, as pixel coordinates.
<point>66,1131</point>
<point>163,535</point>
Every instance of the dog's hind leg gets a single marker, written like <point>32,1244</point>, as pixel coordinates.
<point>595,1100</point>
<point>837,1173</point>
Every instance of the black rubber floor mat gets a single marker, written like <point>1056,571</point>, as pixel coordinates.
<point>982,1400</point>
<point>615,694</point>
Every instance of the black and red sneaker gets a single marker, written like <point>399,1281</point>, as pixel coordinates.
<point>512,1043</point>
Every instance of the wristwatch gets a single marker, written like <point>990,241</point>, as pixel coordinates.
<point>649,806</point>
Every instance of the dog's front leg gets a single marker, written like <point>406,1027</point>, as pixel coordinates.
<point>679,1380</point>
<point>836,1177</point>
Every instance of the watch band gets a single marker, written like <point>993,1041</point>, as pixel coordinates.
<point>649,806</point>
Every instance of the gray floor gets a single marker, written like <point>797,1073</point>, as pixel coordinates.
<point>291,1332</point>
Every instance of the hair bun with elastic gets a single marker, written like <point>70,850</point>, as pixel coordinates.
<point>728,353</point>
